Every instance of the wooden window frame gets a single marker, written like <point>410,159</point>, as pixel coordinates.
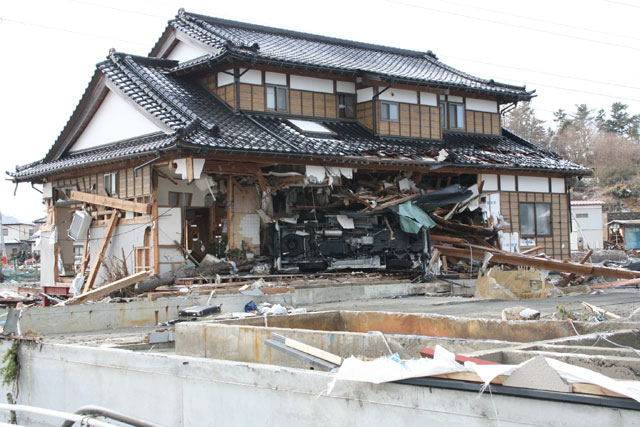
<point>343,110</point>
<point>112,179</point>
<point>390,104</point>
<point>535,216</point>
<point>275,89</point>
<point>445,116</point>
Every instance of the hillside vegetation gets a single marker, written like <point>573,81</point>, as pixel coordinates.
<point>606,142</point>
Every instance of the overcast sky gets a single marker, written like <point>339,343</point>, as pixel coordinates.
<point>570,51</point>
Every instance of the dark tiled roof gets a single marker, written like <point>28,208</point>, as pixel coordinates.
<point>282,46</point>
<point>138,147</point>
<point>198,119</point>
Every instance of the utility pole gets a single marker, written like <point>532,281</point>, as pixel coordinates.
<point>2,255</point>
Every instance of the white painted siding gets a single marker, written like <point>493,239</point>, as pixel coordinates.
<point>427,98</point>
<point>534,184</point>
<point>482,105</point>
<point>184,52</point>
<point>589,229</point>
<point>490,182</point>
<point>365,94</point>
<point>114,120</point>
<point>224,78</point>
<point>253,77</point>
<point>507,183</point>
<point>399,95</point>
<point>275,78</point>
<point>346,87</point>
<point>311,84</point>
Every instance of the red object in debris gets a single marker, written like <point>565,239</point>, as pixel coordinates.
<point>4,260</point>
<point>429,352</point>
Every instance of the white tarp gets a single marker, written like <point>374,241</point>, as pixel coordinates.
<point>387,369</point>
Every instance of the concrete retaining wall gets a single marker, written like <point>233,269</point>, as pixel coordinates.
<point>185,391</point>
<point>93,317</point>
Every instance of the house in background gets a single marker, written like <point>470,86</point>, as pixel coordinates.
<point>587,225</point>
<point>246,140</point>
<point>623,230</point>
<point>16,235</point>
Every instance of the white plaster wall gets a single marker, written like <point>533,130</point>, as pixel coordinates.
<point>275,78</point>
<point>481,105</point>
<point>557,185</point>
<point>490,182</point>
<point>125,237</point>
<point>184,52</point>
<point>427,98</point>
<point>365,94</point>
<point>253,77</point>
<point>224,78</point>
<point>399,95</point>
<point>170,221</point>
<point>114,120</point>
<point>47,258</point>
<point>533,184</point>
<point>451,98</point>
<point>507,183</point>
<point>345,87</point>
<point>312,84</point>
<point>164,186</point>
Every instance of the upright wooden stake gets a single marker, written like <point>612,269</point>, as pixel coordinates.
<point>156,221</point>
<point>230,240</point>
<point>85,255</point>
<point>103,248</point>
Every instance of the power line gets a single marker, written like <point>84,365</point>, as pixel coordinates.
<point>63,30</point>
<point>575,90</point>
<point>513,25</point>
<point>541,72</point>
<point>540,20</point>
<point>622,3</point>
<point>119,9</point>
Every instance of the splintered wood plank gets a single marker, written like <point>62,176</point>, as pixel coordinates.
<point>112,202</point>
<point>97,263</point>
<point>105,290</point>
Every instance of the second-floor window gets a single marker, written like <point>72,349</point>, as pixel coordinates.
<point>451,115</point>
<point>346,106</point>
<point>277,98</point>
<point>389,111</point>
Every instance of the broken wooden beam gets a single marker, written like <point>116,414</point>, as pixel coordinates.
<point>602,311</point>
<point>540,263</point>
<point>112,202</point>
<point>630,282</point>
<point>105,290</point>
<point>570,277</point>
<point>532,250</point>
<point>97,262</point>
<point>430,352</point>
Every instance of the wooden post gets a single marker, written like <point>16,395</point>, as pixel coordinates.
<point>103,248</point>
<point>85,255</point>
<point>230,239</point>
<point>156,220</point>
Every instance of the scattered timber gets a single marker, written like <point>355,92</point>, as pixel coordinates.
<point>107,289</point>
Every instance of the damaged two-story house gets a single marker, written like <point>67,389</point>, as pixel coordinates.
<point>317,153</point>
